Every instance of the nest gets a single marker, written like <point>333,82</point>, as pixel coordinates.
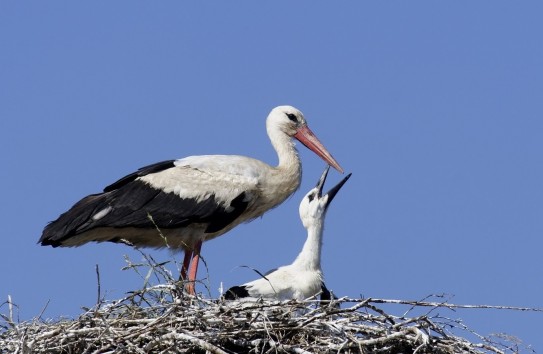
<point>162,318</point>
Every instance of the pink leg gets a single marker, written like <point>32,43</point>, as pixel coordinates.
<point>194,268</point>
<point>186,262</point>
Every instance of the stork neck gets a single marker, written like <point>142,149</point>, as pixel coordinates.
<point>310,257</point>
<point>289,161</point>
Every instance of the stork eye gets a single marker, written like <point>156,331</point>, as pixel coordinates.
<point>311,197</point>
<point>292,117</point>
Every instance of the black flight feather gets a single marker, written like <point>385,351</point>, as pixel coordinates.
<point>132,201</point>
<point>153,168</point>
<point>327,296</point>
<point>236,292</point>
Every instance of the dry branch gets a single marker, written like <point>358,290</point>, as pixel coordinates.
<point>161,318</point>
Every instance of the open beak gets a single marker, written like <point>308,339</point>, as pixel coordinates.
<point>332,192</point>
<point>306,137</point>
<point>320,184</point>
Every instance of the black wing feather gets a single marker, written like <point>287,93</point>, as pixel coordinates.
<point>132,202</point>
<point>236,292</point>
<point>153,168</point>
<point>327,296</point>
<point>221,218</point>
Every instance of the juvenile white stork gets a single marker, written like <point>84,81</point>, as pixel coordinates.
<point>303,278</point>
<point>190,200</point>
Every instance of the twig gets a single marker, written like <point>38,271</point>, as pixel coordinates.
<point>98,290</point>
<point>441,304</point>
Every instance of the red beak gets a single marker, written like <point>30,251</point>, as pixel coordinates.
<point>306,137</point>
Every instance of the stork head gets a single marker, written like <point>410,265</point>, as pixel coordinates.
<point>291,121</point>
<point>314,205</point>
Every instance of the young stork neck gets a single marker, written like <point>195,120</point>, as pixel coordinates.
<point>310,256</point>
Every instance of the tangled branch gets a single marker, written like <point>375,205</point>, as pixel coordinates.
<point>162,318</point>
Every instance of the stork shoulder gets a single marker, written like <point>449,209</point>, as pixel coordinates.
<point>234,165</point>
<point>200,177</point>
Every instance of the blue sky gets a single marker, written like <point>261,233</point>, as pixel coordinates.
<point>435,107</point>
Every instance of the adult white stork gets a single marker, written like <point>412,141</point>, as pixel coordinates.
<point>190,200</point>
<point>303,278</point>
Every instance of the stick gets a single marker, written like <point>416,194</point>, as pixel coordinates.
<point>441,304</point>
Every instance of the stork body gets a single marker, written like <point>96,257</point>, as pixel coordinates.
<point>182,203</point>
<point>303,278</point>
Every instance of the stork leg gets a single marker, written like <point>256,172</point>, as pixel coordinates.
<point>194,268</point>
<point>186,262</point>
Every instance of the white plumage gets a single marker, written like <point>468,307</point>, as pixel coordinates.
<point>191,200</point>
<point>303,278</point>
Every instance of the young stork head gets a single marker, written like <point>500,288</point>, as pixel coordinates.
<point>314,205</point>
